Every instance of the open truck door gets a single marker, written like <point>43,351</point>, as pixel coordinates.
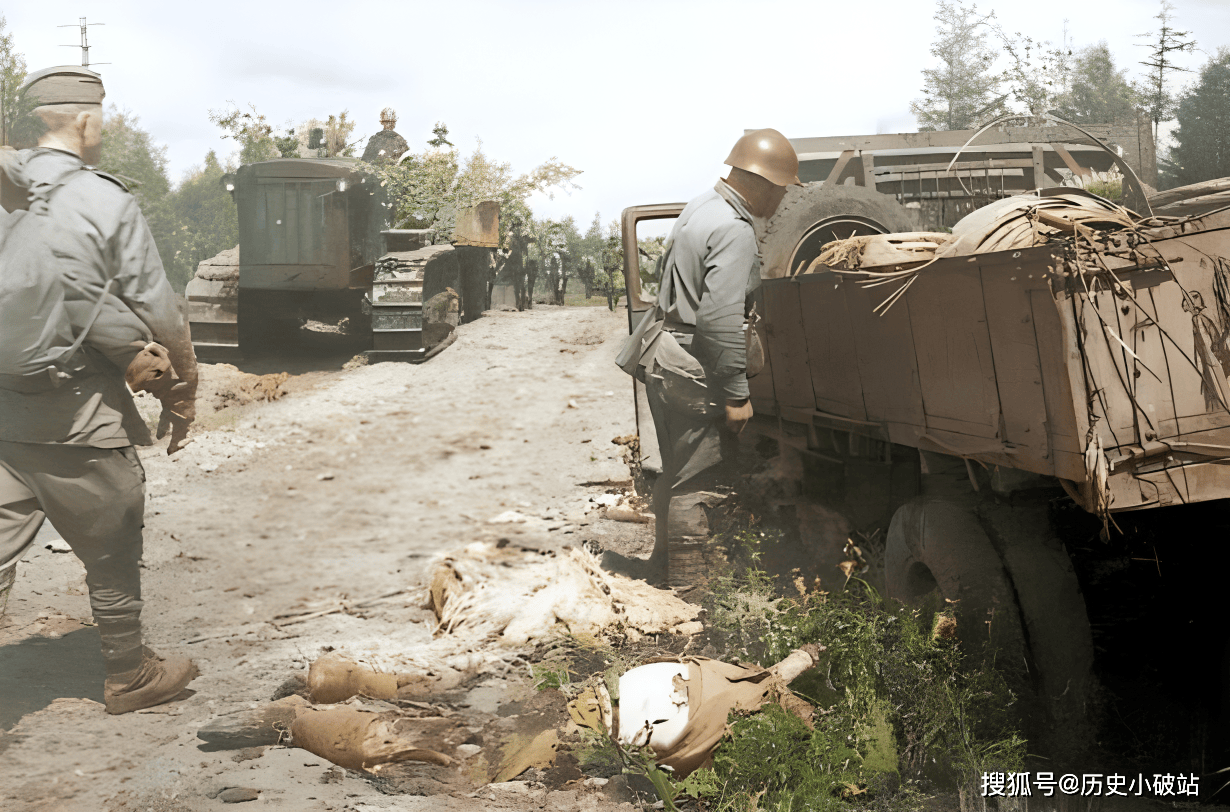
<point>640,302</point>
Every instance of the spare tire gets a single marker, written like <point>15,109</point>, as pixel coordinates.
<point>812,215</point>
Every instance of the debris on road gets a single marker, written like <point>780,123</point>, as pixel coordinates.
<point>251,728</point>
<point>333,679</point>
<point>363,740</point>
<point>679,709</point>
<point>513,595</point>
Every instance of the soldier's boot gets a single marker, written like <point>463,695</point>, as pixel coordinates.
<point>155,681</point>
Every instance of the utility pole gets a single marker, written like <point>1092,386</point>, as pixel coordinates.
<point>85,43</point>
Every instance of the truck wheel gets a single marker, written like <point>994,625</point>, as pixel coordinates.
<point>1053,612</point>
<point>939,545</point>
<point>1039,630</point>
<point>812,215</point>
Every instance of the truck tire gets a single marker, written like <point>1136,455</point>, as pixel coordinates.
<point>812,215</point>
<point>1002,559</point>
<point>939,544</point>
<point>1053,612</point>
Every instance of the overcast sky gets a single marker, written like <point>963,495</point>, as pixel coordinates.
<point>645,97</point>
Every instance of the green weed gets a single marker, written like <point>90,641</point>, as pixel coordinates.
<point>897,702</point>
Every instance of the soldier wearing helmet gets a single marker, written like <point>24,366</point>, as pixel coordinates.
<point>690,350</point>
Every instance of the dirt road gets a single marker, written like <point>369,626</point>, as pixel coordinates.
<point>342,490</point>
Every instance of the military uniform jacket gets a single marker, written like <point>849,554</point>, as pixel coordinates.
<point>714,268</point>
<point>101,236</point>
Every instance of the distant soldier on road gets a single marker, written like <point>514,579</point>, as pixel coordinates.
<point>690,350</point>
<point>82,294</point>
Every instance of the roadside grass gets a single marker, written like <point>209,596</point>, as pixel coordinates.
<point>903,716</point>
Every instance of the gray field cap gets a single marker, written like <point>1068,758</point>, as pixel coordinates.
<point>64,84</point>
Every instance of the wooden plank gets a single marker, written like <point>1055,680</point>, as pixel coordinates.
<point>869,170</point>
<point>1039,167</point>
<point>1180,350</point>
<point>991,163</point>
<point>839,168</point>
<point>1018,369</point>
<point>787,344</point>
<point>884,350</point>
<point>1060,365</point>
<point>1208,187</point>
<point>1143,336</point>
<point>1104,358</point>
<point>1071,163</point>
<point>953,347</point>
<point>831,345</point>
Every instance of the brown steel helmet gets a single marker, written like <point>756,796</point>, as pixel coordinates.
<point>769,154</point>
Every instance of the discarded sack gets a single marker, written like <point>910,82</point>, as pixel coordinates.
<point>363,740</point>
<point>678,708</point>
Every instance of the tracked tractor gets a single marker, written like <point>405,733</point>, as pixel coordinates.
<point>316,256</point>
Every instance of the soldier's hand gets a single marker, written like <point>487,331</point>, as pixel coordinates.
<point>738,412</point>
<point>178,412</point>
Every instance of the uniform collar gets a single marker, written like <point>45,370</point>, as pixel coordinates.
<point>736,201</point>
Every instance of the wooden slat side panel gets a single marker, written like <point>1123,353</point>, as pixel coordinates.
<point>1154,396</point>
<point>1180,350</point>
<point>1104,357</point>
<point>787,344</point>
<point>831,346</point>
<point>884,349</point>
<point>1060,366</point>
<point>1018,368</point>
<point>953,346</point>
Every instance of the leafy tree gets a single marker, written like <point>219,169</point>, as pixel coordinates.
<point>613,265</point>
<point>1168,40</point>
<point>330,138</point>
<point>1037,74</point>
<point>1201,148</point>
<point>962,91</point>
<point>1099,92</point>
<point>515,268</point>
<point>250,130</point>
<point>555,245</point>
<point>287,145</point>
<point>440,133</point>
<point>205,218</point>
<point>130,153</point>
<point>427,189</point>
<point>12,74</point>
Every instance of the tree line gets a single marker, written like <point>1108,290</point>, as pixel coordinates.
<point>983,71</point>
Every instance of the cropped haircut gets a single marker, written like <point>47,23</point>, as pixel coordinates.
<point>33,122</point>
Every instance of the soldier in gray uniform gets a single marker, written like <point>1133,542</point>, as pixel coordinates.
<point>66,446</point>
<point>690,350</point>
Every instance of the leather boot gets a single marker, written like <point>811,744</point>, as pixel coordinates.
<point>156,680</point>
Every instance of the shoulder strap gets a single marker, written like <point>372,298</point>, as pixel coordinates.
<point>116,179</point>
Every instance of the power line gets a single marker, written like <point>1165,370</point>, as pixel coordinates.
<point>85,43</point>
